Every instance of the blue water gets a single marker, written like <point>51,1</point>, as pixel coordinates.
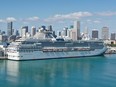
<point>84,72</point>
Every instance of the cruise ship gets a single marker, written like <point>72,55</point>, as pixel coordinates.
<point>44,46</point>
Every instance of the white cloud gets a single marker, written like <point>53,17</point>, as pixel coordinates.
<point>2,21</point>
<point>30,19</point>
<point>10,19</point>
<point>25,22</point>
<point>106,13</point>
<point>93,21</point>
<point>35,18</point>
<point>70,16</point>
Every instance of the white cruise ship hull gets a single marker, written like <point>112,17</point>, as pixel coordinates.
<point>33,55</point>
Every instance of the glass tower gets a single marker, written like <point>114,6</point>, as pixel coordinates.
<point>9,28</point>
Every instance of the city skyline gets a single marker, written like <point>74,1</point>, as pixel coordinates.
<point>59,13</point>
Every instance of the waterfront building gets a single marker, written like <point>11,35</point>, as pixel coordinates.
<point>113,36</point>
<point>43,27</point>
<point>54,34</point>
<point>3,38</point>
<point>23,33</point>
<point>77,30</point>
<point>73,34</point>
<point>95,34</point>
<point>25,27</point>
<point>33,30</point>
<point>64,32</point>
<point>86,30</point>
<point>17,33</point>
<point>58,33</point>
<point>69,33</point>
<point>85,35</point>
<point>49,28</point>
<point>9,28</point>
<point>105,33</point>
<point>24,30</point>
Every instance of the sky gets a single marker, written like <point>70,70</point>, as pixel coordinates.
<point>93,14</point>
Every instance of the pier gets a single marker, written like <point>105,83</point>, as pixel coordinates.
<point>3,58</point>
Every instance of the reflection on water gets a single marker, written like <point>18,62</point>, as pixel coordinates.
<point>59,72</point>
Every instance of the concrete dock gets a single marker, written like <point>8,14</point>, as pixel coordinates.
<point>3,58</point>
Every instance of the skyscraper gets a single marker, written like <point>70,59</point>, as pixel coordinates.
<point>50,28</point>
<point>105,33</point>
<point>64,32</point>
<point>95,34</point>
<point>74,34</point>
<point>33,31</point>
<point>113,36</point>
<point>77,29</point>
<point>9,28</point>
<point>17,33</point>
<point>25,27</point>
<point>58,33</point>
<point>43,27</point>
<point>24,30</point>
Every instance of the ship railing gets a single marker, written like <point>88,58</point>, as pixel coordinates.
<point>54,49</point>
<point>59,49</point>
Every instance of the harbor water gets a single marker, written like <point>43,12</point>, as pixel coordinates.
<point>99,71</point>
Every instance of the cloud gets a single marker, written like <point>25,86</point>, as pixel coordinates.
<point>70,16</point>
<point>2,21</point>
<point>93,21</point>
<point>30,19</point>
<point>35,18</point>
<point>25,22</point>
<point>10,19</point>
<point>106,13</point>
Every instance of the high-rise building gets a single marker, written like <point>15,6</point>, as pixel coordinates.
<point>74,34</point>
<point>3,38</point>
<point>9,28</point>
<point>25,27</point>
<point>58,33</point>
<point>85,35</point>
<point>17,33</point>
<point>86,30</point>
<point>113,36</point>
<point>95,34</point>
<point>77,29</point>
<point>43,27</point>
<point>24,30</point>
<point>33,31</point>
<point>54,34</point>
<point>64,32</point>
<point>105,33</point>
<point>69,33</point>
<point>50,28</point>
